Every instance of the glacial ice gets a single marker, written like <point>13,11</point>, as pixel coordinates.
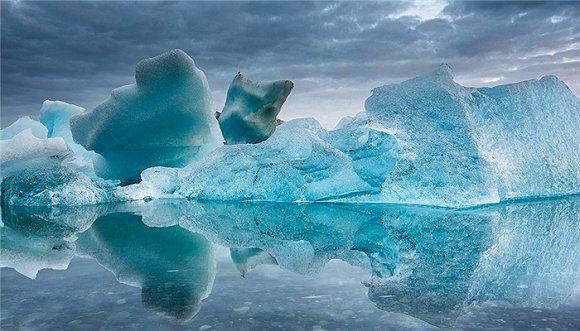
<point>439,161</point>
<point>294,164</point>
<point>38,130</point>
<point>26,151</point>
<point>465,146</point>
<point>425,141</point>
<point>373,152</point>
<point>530,133</point>
<point>249,115</point>
<point>56,115</point>
<point>164,119</point>
<point>55,185</point>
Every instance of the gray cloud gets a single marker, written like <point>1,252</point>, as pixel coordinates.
<point>335,52</point>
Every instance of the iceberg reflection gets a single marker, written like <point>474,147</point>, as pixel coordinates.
<point>439,265</point>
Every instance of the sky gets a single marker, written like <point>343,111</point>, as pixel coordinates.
<point>334,52</point>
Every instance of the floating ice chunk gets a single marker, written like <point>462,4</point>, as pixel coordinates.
<point>439,161</point>
<point>296,163</point>
<point>56,115</point>
<point>164,119</point>
<point>530,132</point>
<point>249,115</point>
<point>174,268</point>
<point>26,151</point>
<point>38,130</point>
<point>247,259</point>
<point>51,186</point>
<point>463,146</point>
<point>156,183</point>
<point>373,152</point>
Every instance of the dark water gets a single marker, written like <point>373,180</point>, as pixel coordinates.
<point>179,265</point>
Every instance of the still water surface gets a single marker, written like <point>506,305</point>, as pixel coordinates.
<point>248,266</point>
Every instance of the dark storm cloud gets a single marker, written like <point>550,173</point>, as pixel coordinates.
<point>335,52</point>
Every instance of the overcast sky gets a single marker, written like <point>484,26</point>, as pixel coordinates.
<point>335,52</point>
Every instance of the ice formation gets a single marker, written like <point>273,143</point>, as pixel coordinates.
<point>425,141</point>
<point>56,115</point>
<point>51,186</point>
<point>530,133</point>
<point>439,161</point>
<point>38,130</point>
<point>465,146</point>
<point>26,151</point>
<point>296,163</point>
<point>249,115</point>
<point>164,119</point>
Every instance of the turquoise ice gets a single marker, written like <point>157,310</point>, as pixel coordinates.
<point>425,141</point>
<point>249,115</point>
<point>165,119</point>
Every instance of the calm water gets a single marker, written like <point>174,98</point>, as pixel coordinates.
<point>246,266</point>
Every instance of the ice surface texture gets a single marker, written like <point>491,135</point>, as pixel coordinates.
<point>26,151</point>
<point>56,115</point>
<point>249,115</point>
<point>164,119</point>
<point>52,186</point>
<point>296,163</point>
<point>38,130</point>
<point>426,141</point>
<point>464,146</point>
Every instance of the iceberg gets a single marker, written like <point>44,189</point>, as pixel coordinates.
<point>294,164</point>
<point>52,186</point>
<point>439,161</point>
<point>56,115</point>
<point>425,141</point>
<point>530,133</point>
<point>26,151</point>
<point>165,119</point>
<point>466,146</point>
<point>38,130</point>
<point>373,152</point>
<point>249,115</point>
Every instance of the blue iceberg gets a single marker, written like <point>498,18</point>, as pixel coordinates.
<point>249,115</point>
<point>24,123</point>
<point>55,116</point>
<point>464,146</point>
<point>425,141</point>
<point>25,151</point>
<point>165,119</point>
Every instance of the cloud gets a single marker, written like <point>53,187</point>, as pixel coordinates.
<point>335,52</point>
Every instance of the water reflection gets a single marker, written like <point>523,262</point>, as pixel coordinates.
<point>174,268</point>
<point>440,266</point>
